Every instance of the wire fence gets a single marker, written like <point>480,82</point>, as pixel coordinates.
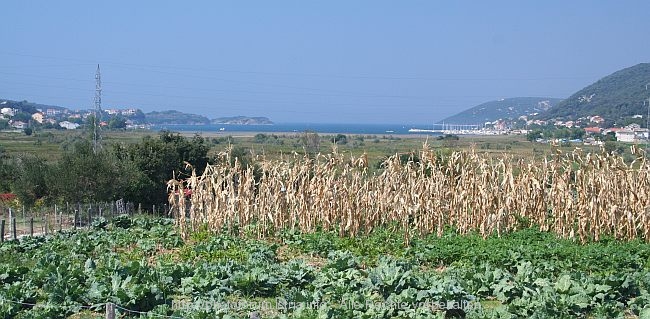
<point>112,310</point>
<point>20,222</point>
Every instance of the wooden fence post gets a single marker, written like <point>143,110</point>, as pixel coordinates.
<point>13,225</point>
<point>31,226</point>
<point>2,231</point>
<point>110,310</point>
<point>80,212</point>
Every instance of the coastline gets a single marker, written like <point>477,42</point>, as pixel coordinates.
<point>294,129</point>
<point>250,134</point>
<point>368,131</point>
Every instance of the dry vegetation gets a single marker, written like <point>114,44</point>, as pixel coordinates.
<point>575,195</point>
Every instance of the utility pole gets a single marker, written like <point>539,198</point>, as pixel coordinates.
<point>98,111</point>
<point>647,126</point>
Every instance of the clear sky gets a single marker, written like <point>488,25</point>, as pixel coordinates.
<point>314,61</point>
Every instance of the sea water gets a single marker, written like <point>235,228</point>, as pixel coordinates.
<point>365,129</point>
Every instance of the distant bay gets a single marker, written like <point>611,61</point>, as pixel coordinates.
<point>364,129</point>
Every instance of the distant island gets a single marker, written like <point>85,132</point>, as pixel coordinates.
<point>242,120</point>
<point>24,114</point>
<point>175,117</point>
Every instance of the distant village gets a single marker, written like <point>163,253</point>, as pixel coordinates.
<point>592,126</point>
<point>591,130</point>
<point>62,118</point>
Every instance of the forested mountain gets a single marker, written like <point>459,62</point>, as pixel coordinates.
<point>510,108</point>
<point>614,97</point>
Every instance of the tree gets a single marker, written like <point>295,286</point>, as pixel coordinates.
<point>311,142</point>
<point>25,107</point>
<point>576,133</point>
<point>30,183</point>
<point>55,126</point>
<point>83,175</point>
<point>159,160</point>
<point>238,153</point>
<point>534,135</point>
<point>610,147</point>
<point>260,138</point>
<point>75,120</point>
<point>117,122</point>
<point>138,117</point>
<point>28,131</point>
<point>562,133</point>
<point>340,139</point>
<point>22,117</point>
<point>7,172</point>
<point>449,140</point>
<point>610,136</point>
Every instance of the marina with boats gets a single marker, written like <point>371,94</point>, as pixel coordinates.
<point>459,129</point>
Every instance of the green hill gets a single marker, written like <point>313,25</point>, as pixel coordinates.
<point>614,97</point>
<point>511,108</point>
<point>175,117</point>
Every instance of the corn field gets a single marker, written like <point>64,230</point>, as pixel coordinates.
<point>576,195</point>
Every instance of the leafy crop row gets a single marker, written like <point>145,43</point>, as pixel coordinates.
<point>142,264</point>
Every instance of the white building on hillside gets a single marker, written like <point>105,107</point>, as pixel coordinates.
<point>68,125</point>
<point>625,135</point>
<point>38,117</point>
<point>52,112</point>
<point>8,111</point>
<point>18,124</point>
<point>632,135</point>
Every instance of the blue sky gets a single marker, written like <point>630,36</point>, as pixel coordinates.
<point>314,61</point>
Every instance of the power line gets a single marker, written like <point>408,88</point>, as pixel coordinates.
<point>351,94</point>
<point>299,74</point>
<point>157,94</point>
<point>647,126</point>
<point>431,102</point>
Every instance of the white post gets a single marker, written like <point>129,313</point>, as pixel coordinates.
<point>110,310</point>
